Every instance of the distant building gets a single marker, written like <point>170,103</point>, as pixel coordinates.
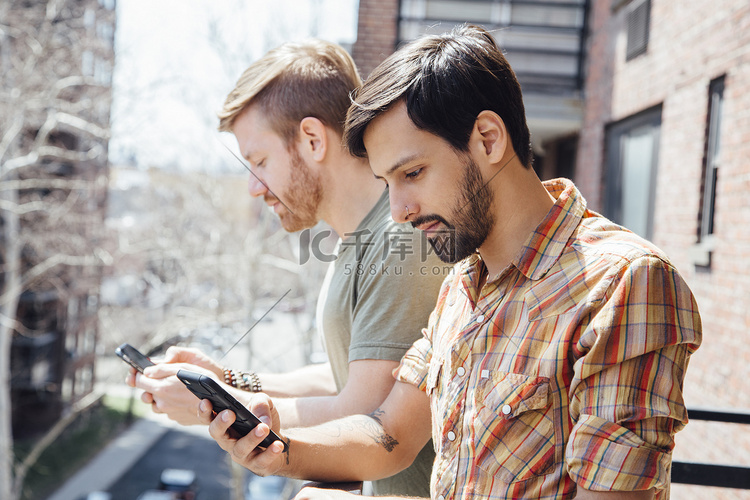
<point>57,60</point>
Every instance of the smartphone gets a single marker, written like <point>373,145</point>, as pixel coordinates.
<point>133,357</point>
<point>207,388</point>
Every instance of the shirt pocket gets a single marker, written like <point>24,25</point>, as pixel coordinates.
<point>514,428</point>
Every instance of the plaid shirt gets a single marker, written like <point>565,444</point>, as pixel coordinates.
<point>565,368</point>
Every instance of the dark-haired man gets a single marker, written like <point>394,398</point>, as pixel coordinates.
<point>553,363</point>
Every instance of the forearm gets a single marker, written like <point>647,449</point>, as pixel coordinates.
<point>369,383</point>
<point>308,381</point>
<point>307,412</point>
<point>354,448</point>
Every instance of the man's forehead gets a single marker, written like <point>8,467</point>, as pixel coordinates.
<point>254,131</point>
<point>388,138</point>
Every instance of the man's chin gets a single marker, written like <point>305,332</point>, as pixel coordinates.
<point>294,224</point>
<point>444,250</point>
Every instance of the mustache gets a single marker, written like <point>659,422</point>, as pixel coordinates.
<point>426,219</point>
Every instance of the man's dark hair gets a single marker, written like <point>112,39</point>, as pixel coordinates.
<point>446,81</point>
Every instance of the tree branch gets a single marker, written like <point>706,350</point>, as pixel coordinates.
<point>53,152</point>
<point>80,406</point>
<point>46,184</point>
<point>22,209</point>
<point>40,269</point>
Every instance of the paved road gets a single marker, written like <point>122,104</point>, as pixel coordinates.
<point>179,449</point>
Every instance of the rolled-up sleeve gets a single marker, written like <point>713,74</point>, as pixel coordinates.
<point>415,364</point>
<point>626,397</point>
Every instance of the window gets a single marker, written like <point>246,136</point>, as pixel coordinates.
<point>630,184</point>
<point>637,20</point>
<point>712,158</point>
<point>701,253</point>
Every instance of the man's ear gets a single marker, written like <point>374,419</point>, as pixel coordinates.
<point>490,136</point>
<point>313,137</point>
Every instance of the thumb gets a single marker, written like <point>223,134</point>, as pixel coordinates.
<point>162,370</point>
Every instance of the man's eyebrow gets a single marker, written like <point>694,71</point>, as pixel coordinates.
<point>399,164</point>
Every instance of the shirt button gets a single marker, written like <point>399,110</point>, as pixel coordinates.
<point>507,409</point>
<point>480,318</point>
<point>451,436</point>
<point>461,371</point>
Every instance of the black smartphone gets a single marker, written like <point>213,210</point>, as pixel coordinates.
<point>207,388</point>
<point>133,357</point>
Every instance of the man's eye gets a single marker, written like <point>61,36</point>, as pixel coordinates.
<point>413,174</point>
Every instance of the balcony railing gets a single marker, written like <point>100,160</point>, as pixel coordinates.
<point>702,474</point>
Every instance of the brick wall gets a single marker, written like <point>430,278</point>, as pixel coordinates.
<point>377,33</point>
<point>691,43</point>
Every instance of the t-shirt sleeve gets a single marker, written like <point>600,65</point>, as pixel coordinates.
<point>396,291</point>
<point>626,394</point>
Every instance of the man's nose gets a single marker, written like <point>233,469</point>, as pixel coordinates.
<point>256,186</point>
<point>400,210</point>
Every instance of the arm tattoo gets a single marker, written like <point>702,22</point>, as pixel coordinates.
<point>377,432</point>
<point>371,425</point>
<point>286,450</point>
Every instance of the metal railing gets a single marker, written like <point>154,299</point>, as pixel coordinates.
<point>702,474</point>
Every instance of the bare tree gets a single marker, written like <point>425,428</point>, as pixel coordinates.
<point>56,61</point>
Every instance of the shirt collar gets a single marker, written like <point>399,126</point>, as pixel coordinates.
<point>545,244</point>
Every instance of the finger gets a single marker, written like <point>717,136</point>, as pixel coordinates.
<point>246,445</point>
<point>176,354</point>
<point>147,384</point>
<point>261,406</point>
<point>172,354</point>
<point>205,412</point>
<point>219,430</point>
<point>162,370</point>
<point>147,398</point>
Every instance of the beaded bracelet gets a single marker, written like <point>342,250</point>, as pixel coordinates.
<point>247,381</point>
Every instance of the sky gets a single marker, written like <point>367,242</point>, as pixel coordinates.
<point>176,60</point>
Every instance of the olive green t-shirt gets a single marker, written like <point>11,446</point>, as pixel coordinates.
<point>375,301</point>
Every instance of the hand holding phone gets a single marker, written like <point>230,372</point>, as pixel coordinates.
<point>133,357</point>
<point>205,387</point>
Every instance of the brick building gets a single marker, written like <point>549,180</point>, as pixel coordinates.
<point>662,146</point>
<point>57,59</point>
<point>665,150</point>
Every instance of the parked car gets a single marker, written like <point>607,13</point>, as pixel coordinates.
<point>98,495</point>
<point>267,488</point>
<point>182,482</point>
<point>157,495</point>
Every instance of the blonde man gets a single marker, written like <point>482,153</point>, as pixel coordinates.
<point>287,113</point>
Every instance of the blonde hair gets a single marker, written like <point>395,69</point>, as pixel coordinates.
<point>293,81</point>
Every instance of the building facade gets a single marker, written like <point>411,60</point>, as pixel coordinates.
<point>654,128</point>
<point>665,150</point>
<point>57,60</point>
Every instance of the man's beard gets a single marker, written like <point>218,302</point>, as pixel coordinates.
<point>472,218</point>
<point>302,197</point>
